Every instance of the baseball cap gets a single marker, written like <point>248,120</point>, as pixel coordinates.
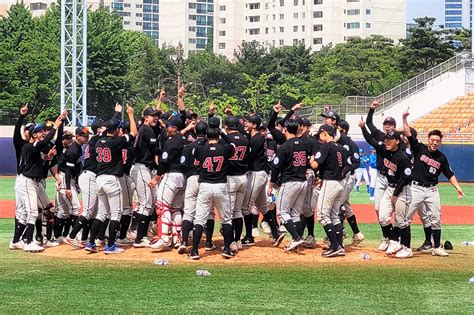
<point>262,127</point>
<point>392,134</point>
<point>327,128</point>
<point>214,122</point>
<point>343,124</point>
<point>175,122</point>
<point>201,128</point>
<point>83,131</point>
<point>67,135</point>
<point>389,121</point>
<point>191,115</point>
<point>331,114</point>
<point>232,122</point>
<point>126,125</point>
<point>166,116</point>
<point>36,128</point>
<point>97,124</point>
<point>303,121</point>
<point>28,126</point>
<point>112,124</point>
<point>255,119</point>
<point>149,111</point>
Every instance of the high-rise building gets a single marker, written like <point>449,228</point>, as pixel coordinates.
<point>314,23</point>
<point>458,14</point>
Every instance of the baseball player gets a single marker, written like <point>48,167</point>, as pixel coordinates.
<point>397,195</point>
<point>191,168</point>
<point>333,163</point>
<point>30,173</point>
<point>110,168</point>
<point>213,158</point>
<point>146,161</point>
<point>361,172</point>
<point>373,172</point>
<point>289,172</point>
<point>257,180</point>
<point>428,166</point>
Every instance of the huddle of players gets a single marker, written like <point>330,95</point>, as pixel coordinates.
<point>407,182</point>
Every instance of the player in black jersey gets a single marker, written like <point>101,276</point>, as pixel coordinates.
<point>333,163</point>
<point>289,173</point>
<point>429,164</point>
<point>30,173</point>
<point>397,196</point>
<point>110,168</point>
<point>190,169</point>
<point>277,131</point>
<point>213,158</point>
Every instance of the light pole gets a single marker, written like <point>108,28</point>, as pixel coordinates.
<point>178,58</point>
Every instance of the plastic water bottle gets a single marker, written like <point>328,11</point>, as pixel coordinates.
<point>202,273</point>
<point>161,262</point>
<point>365,256</point>
<point>471,280</point>
<point>468,243</point>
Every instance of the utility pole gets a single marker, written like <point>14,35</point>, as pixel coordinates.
<point>74,60</point>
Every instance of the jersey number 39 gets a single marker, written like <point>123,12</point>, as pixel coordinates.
<point>103,155</point>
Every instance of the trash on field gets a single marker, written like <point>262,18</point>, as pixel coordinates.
<point>202,273</point>
<point>471,280</point>
<point>365,256</point>
<point>468,243</point>
<point>160,262</point>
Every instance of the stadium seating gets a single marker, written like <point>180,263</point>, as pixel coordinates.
<point>454,119</point>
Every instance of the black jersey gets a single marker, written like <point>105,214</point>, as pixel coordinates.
<point>353,150</point>
<point>32,157</point>
<point>90,158</point>
<point>189,164</point>
<point>70,163</point>
<point>291,162</point>
<point>213,162</point>
<point>128,158</point>
<point>18,141</point>
<point>428,165</point>
<point>333,160</point>
<point>146,146</point>
<point>271,148</point>
<point>170,161</point>
<point>257,158</point>
<point>108,153</point>
<point>238,162</point>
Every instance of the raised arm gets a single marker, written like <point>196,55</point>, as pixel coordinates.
<point>17,139</point>
<point>277,135</point>
<point>131,119</point>
<point>406,126</point>
<point>367,136</point>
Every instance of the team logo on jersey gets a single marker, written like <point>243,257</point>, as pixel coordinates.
<point>430,161</point>
<point>391,166</point>
<point>152,140</point>
<point>380,143</point>
<point>345,146</point>
<point>318,155</point>
<point>164,156</point>
<point>183,159</point>
<point>407,171</point>
<point>356,155</point>
<point>275,161</point>
<point>408,151</point>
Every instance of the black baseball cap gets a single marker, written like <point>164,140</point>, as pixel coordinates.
<point>28,126</point>
<point>303,121</point>
<point>97,124</point>
<point>112,124</point>
<point>201,128</point>
<point>175,121</point>
<point>343,124</point>
<point>232,122</point>
<point>214,122</point>
<point>83,131</point>
<point>331,114</point>
<point>392,134</point>
<point>149,111</point>
<point>191,115</point>
<point>327,128</point>
<point>126,125</point>
<point>166,116</point>
<point>389,121</point>
<point>262,127</point>
<point>254,119</point>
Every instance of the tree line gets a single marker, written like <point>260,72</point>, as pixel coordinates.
<point>126,66</point>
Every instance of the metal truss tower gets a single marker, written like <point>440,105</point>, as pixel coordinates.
<point>74,60</point>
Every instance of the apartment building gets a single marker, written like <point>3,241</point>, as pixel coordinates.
<point>314,23</point>
<point>458,14</point>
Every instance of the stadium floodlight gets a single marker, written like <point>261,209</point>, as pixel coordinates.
<point>74,60</point>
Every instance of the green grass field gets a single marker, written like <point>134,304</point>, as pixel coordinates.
<point>448,194</point>
<point>34,283</point>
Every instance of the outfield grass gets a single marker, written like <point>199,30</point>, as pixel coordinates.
<point>448,194</point>
<point>39,284</point>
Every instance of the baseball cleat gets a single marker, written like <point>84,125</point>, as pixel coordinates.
<point>161,243</point>
<point>277,241</point>
<point>255,232</point>
<point>194,254</point>
<point>266,227</point>
<point>372,198</point>
<point>384,245</point>
<point>60,240</point>
<point>68,240</point>
<point>124,241</point>
<point>182,249</point>
<point>357,239</point>
<point>131,235</point>
<point>282,229</point>
<point>239,244</point>
<point>293,244</point>
<point>309,242</point>
<point>39,239</point>
<point>53,243</point>
<point>75,243</point>
<point>17,245</point>
<point>393,247</point>
<point>91,247</point>
<point>342,252</point>
<point>142,244</point>
<point>326,244</point>
<point>248,241</point>
<point>425,247</point>
<point>227,253</point>
<point>405,252</point>
<point>114,249</point>
<point>210,247</point>
<point>439,252</point>
<point>33,248</point>
<point>334,252</point>
<point>99,243</point>
<point>233,247</point>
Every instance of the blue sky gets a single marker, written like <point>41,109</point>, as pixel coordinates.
<point>417,8</point>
